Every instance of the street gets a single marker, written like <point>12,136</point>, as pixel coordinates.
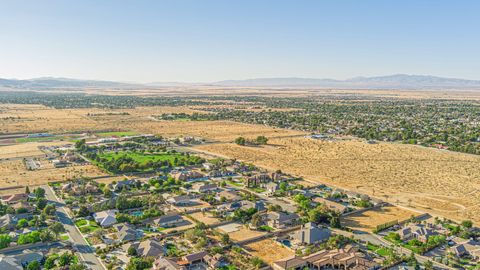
<point>87,253</point>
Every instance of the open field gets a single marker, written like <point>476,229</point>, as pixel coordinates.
<point>238,232</point>
<point>206,218</point>
<point>38,118</point>
<point>24,150</point>
<point>269,251</point>
<point>437,181</point>
<point>370,219</point>
<point>225,131</point>
<point>13,173</point>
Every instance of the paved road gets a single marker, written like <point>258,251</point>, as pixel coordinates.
<point>86,252</point>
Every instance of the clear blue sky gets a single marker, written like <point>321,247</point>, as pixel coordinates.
<point>203,40</point>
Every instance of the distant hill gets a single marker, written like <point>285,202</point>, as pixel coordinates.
<point>397,81</point>
<point>52,82</point>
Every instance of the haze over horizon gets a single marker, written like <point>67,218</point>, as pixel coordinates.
<point>212,40</point>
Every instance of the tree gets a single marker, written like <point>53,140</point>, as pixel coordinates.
<point>65,259</point>
<point>41,203</point>
<point>57,228</point>
<point>261,140</point>
<point>39,192</point>
<point>428,265</point>
<point>139,264</point>
<point>83,211</point>
<point>77,267</point>
<point>132,251</point>
<point>49,210</point>
<point>5,240</point>
<point>225,239</point>
<point>50,261</point>
<point>240,141</point>
<point>467,224</point>
<point>33,265</point>
<point>27,190</point>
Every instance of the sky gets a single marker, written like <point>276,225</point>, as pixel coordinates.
<point>213,40</point>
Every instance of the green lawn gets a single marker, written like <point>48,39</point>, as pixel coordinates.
<point>116,134</point>
<point>81,222</point>
<point>86,226</point>
<point>142,158</point>
<point>234,183</point>
<point>64,237</point>
<point>257,190</point>
<point>265,228</point>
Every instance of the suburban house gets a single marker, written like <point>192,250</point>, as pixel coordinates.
<point>192,259</point>
<point>17,261</point>
<point>123,184</point>
<point>167,221</point>
<point>468,248</point>
<point>8,221</point>
<point>187,175</point>
<point>344,258</point>
<point>258,205</point>
<point>14,198</point>
<point>291,263</point>
<point>204,187</point>
<point>214,261</point>
<point>181,200</point>
<point>281,220</point>
<point>125,232</point>
<point>147,248</point>
<point>334,206</point>
<point>167,264</point>
<point>418,231</point>
<point>23,206</point>
<point>106,218</point>
<point>272,187</point>
<point>310,233</point>
<point>258,179</point>
<point>229,195</point>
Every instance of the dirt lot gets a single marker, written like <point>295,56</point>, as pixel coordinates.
<point>24,150</point>
<point>269,251</point>
<point>368,220</point>
<point>437,181</point>
<point>238,232</point>
<point>206,218</point>
<point>13,173</point>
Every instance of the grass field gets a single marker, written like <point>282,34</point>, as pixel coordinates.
<point>142,158</point>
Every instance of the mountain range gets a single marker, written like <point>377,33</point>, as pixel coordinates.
<point>397,81</point>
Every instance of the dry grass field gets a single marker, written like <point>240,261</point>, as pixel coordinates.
<point>24,150</point>
<point>206,218</point>
<point>13,173</point>
<point>239,232</point>
<point>437,181</point>
<point>370,219</point>
<point>269,251</point>
<point>224,131</point>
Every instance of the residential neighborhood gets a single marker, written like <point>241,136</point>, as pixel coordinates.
<point>180,210</point>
